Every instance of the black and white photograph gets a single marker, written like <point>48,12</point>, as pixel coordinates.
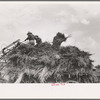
<point>49,42</point>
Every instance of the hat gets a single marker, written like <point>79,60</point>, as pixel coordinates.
<point>36,35</point>
<point>29,33</point>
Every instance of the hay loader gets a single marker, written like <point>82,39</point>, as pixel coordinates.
<point>8,48</point>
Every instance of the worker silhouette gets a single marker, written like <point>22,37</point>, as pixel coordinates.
<point>58,39</point>
<point>38,40</point>
<point>31,38</point>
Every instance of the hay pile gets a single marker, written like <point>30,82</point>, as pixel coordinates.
<point>47,63</point>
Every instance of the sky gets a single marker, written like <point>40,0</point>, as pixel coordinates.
<point>80,19</point>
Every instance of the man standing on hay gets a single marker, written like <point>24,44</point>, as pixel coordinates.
<point>38,40</point>
<point>58,39</point>
<point>31,38</point>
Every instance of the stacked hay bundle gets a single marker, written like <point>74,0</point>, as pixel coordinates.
<point>49,63</point>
